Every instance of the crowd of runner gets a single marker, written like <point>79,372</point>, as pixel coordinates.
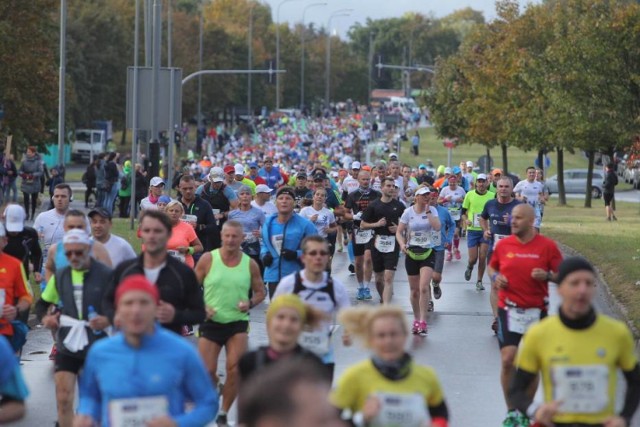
<point>255,225</point>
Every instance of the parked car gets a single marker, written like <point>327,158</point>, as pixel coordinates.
<point>575,181</point>
<point>631,173</point>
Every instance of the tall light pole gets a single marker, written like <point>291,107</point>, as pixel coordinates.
<point>278,51</point>
<point>200,78</point>
<point>63,73</point>
<point>250,60</point>
<point>304,11</point>
<point>370,61</point>
<point>341,12</point>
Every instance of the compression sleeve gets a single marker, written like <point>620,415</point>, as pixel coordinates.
<point>632,395</point>
<point>520,383</point>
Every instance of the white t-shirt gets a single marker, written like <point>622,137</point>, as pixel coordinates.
<point>350,184</point>
<point>419,231</point>
<point>49,225</point>
<point>324,220</point>
<point>146,204</point>
<point>457,196</point>
<point>267,209</point>
<point>119,250</point>
<point>152,273</point>
<point>530,190</point>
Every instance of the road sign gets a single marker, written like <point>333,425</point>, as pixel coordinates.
<point>163,97</point>
<point>449,143</point>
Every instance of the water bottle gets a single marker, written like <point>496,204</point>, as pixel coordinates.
<point>92,314</point>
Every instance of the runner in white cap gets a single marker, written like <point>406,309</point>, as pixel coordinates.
<point>263,200</point>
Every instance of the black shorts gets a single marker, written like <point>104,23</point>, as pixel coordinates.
<point>220,333</point>
<point>66,363</point>
<point>413,267</point>
<point>384,261</point>
<point>607,197</point>
<point>506,337</point>
<point>358,250</point>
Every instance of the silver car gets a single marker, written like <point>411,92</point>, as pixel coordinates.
<point>575,181</point>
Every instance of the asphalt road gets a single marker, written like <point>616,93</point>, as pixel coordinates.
<point>460,346</point>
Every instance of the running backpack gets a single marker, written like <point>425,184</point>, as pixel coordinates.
<point>328,288</point>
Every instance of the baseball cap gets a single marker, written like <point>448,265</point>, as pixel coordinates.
<point>481,176</point>
<point>423,190</point>
<point>356,165</point>
<point>99,211</point>
<point>422,166</point>
<point>496,171</point>
<point>14,218</point>
<point>216,175</point>
<point>447,171</point>
<point>164,199</point>
<point>319,177</point>
<point>253,165</point>
<point>156,181</point>
<point>441,169</point>
<point>301,175</point>
<point>469,164</point>
<point>239,169</point>
<point>393,155</point>
<point>262,188</point>
<point>456,170</point>
<point>76,236</point>
<point>229,169</point>
<point>335,174</point>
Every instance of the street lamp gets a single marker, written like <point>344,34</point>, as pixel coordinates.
<point>278,51</point>
<point>302,49</point>
<point>341,12</point>
<point>62,77</point>
<point>250,61</point>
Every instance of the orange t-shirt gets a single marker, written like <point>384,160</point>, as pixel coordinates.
<point>13,281</point>
<point>182,234</point>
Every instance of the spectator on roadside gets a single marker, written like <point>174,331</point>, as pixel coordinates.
<point>30,171</point>
<point>9,175</point>
<point>111,182</point>
<point>124,193</point>
<point>608,192</point>
<point>141,187</point>
<point>89,180</point>
<point>100,180</point>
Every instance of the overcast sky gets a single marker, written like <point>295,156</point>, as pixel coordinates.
<point>292,10</point>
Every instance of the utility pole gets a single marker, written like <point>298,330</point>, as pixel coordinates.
<point>370,66</point>
<point>62,77</point>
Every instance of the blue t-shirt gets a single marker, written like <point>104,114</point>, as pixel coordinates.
<point>272,177</point>
<point>499,217</point>
<point>251,220</point>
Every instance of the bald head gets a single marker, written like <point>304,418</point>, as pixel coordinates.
<point>522,220</point>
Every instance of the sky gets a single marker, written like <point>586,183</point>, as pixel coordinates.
<point>292,10</point>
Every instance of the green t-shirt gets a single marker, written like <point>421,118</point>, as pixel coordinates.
<point>474,204</point>
<point>50,293</point>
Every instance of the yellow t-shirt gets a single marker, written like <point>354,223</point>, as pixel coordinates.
<point>50,293</point>
<point>578,366</point>
<point>363,379</point>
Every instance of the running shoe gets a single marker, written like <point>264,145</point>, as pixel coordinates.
<point>467,272</point>
<point>360,295</point>
<point>457,254</point>
<point>479,286</point>
<point>511,420</point>
<point>437,290</point>
<point>352,269</point>
<point>448,256</point>
<point>422,331</point>
<point>523,420</point>
<point>430,306</point>
<point>221,421</point>
<point>367,293</point>
<point>494,325</point>
<point>415,328</point>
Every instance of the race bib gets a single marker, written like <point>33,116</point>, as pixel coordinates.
<point>401,410</point>
<point>476,220</point>
<point>497,238</point>
<point>276,241</point>
<point>177,255</point>
<point>250,238</point>
<point>455,213</point>
<point>315,341</point>
<point>436,238</point>
<point>581,388</point>
<point>216,212</point>
<point>136,412</point>
<point>519,319</point>
<point>385,244</point>
<point>2,298</point>
<point>421,239</point>
<point>190,219</point>
<point>363,236</point>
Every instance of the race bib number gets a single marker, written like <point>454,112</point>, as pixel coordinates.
<point>497,238</point>
<point>276,241</point>
<point>436,238</point>
<point>385,244</point>
<point>250,238</point>
<point>421,239</point>
<point>455,213</point>
<point>315,341</point>
<point>363,236</point>
<point>177,255</point>
<point>582,389</point>
<point>136,412</point>
<point>401,410</point>
<point>2,298</point>
<point>190,219</point>
<point>519,319</point>
<point>476,220</point>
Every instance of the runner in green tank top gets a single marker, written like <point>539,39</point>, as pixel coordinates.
<point>227,275</point>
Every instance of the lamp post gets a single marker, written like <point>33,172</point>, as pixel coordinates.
<point>304,11</point>
<point>341,12</point>
<point>278,51</point>
<point>61,86</point>
<point>250,61</point>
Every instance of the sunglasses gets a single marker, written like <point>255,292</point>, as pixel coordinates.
<point>316,253</point>
<point>78,253</point>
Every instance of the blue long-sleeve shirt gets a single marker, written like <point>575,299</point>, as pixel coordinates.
<point>448,227</point>
<point>288,236</point>
<point>164,365</point>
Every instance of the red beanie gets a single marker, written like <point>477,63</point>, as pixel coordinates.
<point>137,282</point>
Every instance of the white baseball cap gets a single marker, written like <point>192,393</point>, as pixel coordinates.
<point>14,218</point>
<point>156,181</point>
<point>423,190</point>
<point>447,171</point>
<point>239,169</point>
<point>469,164</point>
<point>356,165</point>
<point>216,174</point>
<point>393,155</point>
<point>76,236</point>
<point>481,176</point>
<point>261,188</point>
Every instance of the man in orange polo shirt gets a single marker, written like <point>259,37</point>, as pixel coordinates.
<point>15,296</point>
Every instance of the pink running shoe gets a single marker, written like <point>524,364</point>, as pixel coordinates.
<point>423,329</point>
<point>458,256</point>
<point>448,256</point>
<point>416,327</point>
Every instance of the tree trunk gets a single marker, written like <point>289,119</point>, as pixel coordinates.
<point>489,162</point>
<point>123,140</point>
<point>587,200</point>
<point>541,160</point>
<point>505,163</point>
<point>562,197</point>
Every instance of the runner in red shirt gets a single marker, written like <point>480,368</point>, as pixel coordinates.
<point>521,267</point>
